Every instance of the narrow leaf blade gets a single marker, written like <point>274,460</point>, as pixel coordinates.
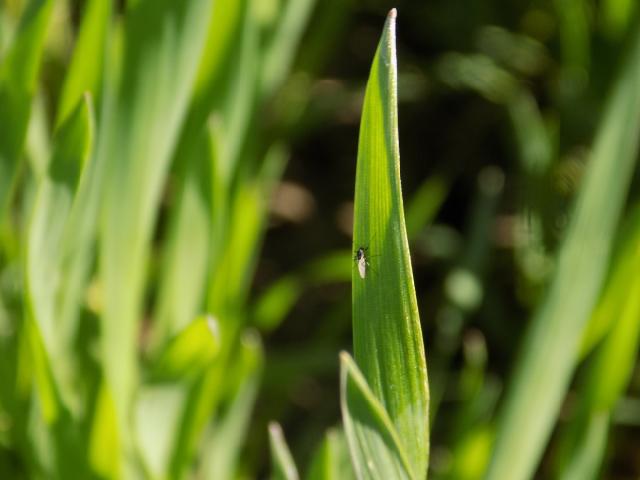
<point>376,449</point>
<point>282,464</point>
<point>388,343</point>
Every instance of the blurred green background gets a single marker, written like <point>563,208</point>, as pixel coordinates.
<point>176,195</point>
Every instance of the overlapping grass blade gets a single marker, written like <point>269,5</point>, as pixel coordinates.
<point>615,333</point>
<point>201,401</point>
<point>388,343</point>
<point>282,464</point>
<point>377,451</point>
<point>616,291</point>
<point>161,47</point>
<point>176,390</point>
<point>104,438</point>
<point>551,347</point>
<point>190,352</point>
<point>18,75</point>
<point>48,229</point>
<point>226,82</point>
<point>85,70</point>
<point>184,274</point>
<point>49,430</point>
<point>222,447</point>
<point>229,286</point>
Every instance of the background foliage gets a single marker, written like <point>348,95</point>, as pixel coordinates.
<point>176,211</point>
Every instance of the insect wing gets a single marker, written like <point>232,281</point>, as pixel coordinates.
<point>362,266</point>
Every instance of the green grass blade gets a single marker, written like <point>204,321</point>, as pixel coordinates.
<point>282,464</point>
<point>331,459</point>
<point>47,230</point>
<point>161,46</point>
<point>46,388</point>
<point>37,147</point>
<point>175,392</point>
<point>584,458</point>
<point>388,341</point>
<point>424,205</point>
<point>202,400</point>
<point>190,352</point>
<point>85,70</point>
<point>184,271</point>
<point>376,450</point>
<point>51,434</point>
<point>221,451</point>
<point>610,368</point>
<point>615,360</point>
<point>18,75</point>
<point>234,267</point>
<point>104,441</point>
<point>277,301</point>
<point>280,51</point>
<point>226,81</point>
<point>616,290</point>
<point>224,32</point>
<point>542,377</point>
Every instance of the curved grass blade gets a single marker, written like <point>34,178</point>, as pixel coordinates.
<point>18,76</point>
<point>376,449</point>
<point>48,229</point>
<point>552,345</point>
<point>85,70</point>
<point>387,336</point>
<point>189,353</point>
<point>282,465</point>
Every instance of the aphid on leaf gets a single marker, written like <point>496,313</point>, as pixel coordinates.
<point>361,259</point>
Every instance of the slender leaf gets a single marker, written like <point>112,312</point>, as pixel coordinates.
<point>282,464</point>
<point>280,52</point>
<point>47,231</point>
<point>184,274</point>
<point>425,204</point>
<point>616,324</point>
<point>226,80</point>
<point>616,290</point>
<point>52,434</point>
<point>85,70</point>
<point>388,343</point>
<point>376,449</point>
<point>18,75</point>
<point>181,388</point>
<point>104,440</point>
<point>221,450</point>
<point>201,402</point>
